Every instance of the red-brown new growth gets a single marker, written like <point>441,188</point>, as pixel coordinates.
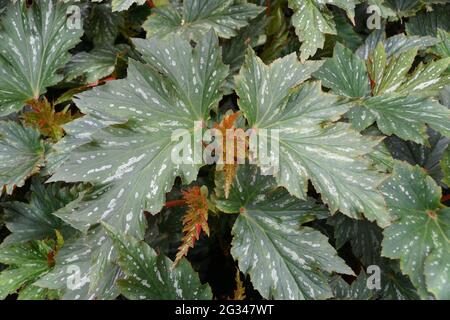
<point>194,221</point>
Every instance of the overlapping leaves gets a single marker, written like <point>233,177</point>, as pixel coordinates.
<point>177,87</point>
<point>284,259</point>
<point>384,93</point>
<point>311,145</point>
<point>195,18</point>
<point>420,235</point>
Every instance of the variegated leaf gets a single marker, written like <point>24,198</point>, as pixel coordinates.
<point>196,17</point>
<point>177,87</point>
<point>121,5</point>
<point>311,146</point>
<point>95,64</point>
<point>357,290</point>
<point>345,74</point>
<point>394,45</point>
<point>312,20</point>
<point>84,268</point>
<point>149,276</point>
<point>34,44</point>
<point>284,259</point>
<point>420,235</point>
<point>21,154</point>
<point>404,116</point>
<point>27,263</point>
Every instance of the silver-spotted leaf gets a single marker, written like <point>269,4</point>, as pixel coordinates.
<point>27,263</point>
<point>150,276</point>
<point>85,268</point>
<point>121,5</point>
<point>420,235</point>
<point>34,44</point>
<point>312,20</point>
<point>345,73</point>
<point>406,116</point>
<point>428,157</point>
<point>21,154</point>
<point>284,259</point>
<point>311,146</point>
<point>196,17</point>
<point>171,93</point>
<point>357,290</point>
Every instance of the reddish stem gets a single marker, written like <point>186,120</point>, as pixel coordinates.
<point>445,198</point>
<point>175,203</point>
<point>267,8</point>
<point>102,81</point>
<point>150,3</point>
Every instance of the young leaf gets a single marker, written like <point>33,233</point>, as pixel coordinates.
<point>150,276</point>
<point>420,236</point>
<point>165,96</point>
<point>284,259</point>
<point>84,268</point>
<point>47,120</point>
<point>229,169</point>
<point>194,221</point>
<point>196,17</point>
<point>34,44</point>
<point>239,292</point>
<point>21,154</point>
<point>311,146</point>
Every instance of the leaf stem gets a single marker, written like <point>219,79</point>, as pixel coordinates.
<point>175,203</point>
